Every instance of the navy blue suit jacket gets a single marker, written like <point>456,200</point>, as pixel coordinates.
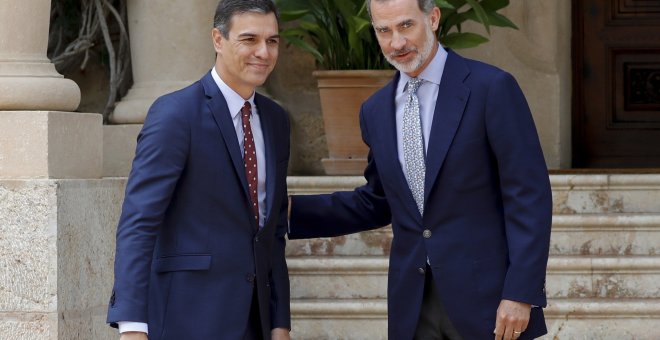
<point>188,250</point>
<point>487,203</point>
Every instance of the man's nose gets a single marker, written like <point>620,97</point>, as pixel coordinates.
<point>262,50</point>
<point>398,41</point>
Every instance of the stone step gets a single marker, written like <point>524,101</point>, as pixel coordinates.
<point>603,271</point>
<point>313,319</point>
<point>605,193</point>
<point>572,193</point>
<point>603,277</point>
<point>579,234</point>
<point>338,277</point>
<point>605,234</point>
<point>365,277</point>
<point>566,319</point>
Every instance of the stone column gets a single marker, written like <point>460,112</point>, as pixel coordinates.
<point>171,48</point>
<point>28,80</point>
<point>37,139</point>
<point>53,209</point>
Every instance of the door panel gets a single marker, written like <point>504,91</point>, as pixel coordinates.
<point>616,57</point>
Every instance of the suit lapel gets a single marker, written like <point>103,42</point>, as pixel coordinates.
<point>269,144</point>
<point>450,104</point>
<point>218,107</point>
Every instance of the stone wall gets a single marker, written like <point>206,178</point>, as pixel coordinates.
<point>56,257</point>
<point>539,57</point>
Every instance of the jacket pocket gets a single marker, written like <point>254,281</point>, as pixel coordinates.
<point>182,262</point>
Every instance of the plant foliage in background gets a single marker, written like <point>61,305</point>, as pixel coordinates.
<point>338,32</point>
<point>82,28</point>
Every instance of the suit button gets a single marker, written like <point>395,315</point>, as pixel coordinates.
<point>427,233</point>
<point>421,270</point>
<point>256,239</point>
<point>249,278</point>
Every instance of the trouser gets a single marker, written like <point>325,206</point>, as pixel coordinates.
<point>254,331</point>
<point>434,324</point>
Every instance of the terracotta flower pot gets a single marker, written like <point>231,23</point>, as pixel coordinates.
<point>342,94</point>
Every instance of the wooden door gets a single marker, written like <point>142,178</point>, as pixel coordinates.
<point>616,79</point>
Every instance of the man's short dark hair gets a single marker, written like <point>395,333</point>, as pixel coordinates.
<point>424,5</point>
<point>228,8</point>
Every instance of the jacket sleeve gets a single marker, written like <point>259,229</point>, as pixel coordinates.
<point>346,212</point>
<point>280,306</point>
<point>525,188</point>
<point>160,157</point>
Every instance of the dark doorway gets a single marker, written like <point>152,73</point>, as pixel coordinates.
<point>616,83</point>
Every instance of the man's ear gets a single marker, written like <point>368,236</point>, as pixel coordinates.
<point>435,18</point>
<point>218,40</point>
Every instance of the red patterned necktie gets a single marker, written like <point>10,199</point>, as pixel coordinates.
<point>250,158</point>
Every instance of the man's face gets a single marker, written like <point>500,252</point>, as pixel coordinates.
<point>405,33</point>
<point>249,53</point>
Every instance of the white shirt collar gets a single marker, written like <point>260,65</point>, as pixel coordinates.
<point>234,100</point>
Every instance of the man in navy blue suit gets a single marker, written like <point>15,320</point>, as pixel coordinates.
<point>455,165</point>
<point>200,241</point>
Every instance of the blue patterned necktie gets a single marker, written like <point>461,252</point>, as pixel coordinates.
<point>413,144</point>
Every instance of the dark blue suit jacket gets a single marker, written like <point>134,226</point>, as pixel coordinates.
<point>488,203</point>
<point>188,251</point>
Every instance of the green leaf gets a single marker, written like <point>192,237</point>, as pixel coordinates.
<point>495,19</point>
<point>494,5</point>
<point>311,27</point>
<point>453,20</point>
<point>294,33</point>
<point>481,13</point>
<point>361,24</point>
<point>462,40</point>
<point>286,16</point>
<point>306,47</point>
<point>444,4</point>
<point>457,3</point>
<point>499,20</point>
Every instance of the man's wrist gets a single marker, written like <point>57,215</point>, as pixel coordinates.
<point>288,212</point>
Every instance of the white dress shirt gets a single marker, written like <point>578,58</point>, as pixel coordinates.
<point>427,93</point>
<point>234,102</point>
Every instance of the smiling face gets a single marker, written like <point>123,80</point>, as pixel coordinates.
<point>405,33</point>
<point>248,54</point>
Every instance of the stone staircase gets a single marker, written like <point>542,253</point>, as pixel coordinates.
<point>603,278</point>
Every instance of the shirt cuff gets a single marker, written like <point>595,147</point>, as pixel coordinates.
<point>129,326</point>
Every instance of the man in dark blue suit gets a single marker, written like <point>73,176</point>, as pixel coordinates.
<point>456,167</point>
<point>200,241</point>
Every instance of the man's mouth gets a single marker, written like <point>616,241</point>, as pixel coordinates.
<point>402,54</point>
<point>260,66</point>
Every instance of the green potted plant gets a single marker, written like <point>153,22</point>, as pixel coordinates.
<point>351,66</point>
